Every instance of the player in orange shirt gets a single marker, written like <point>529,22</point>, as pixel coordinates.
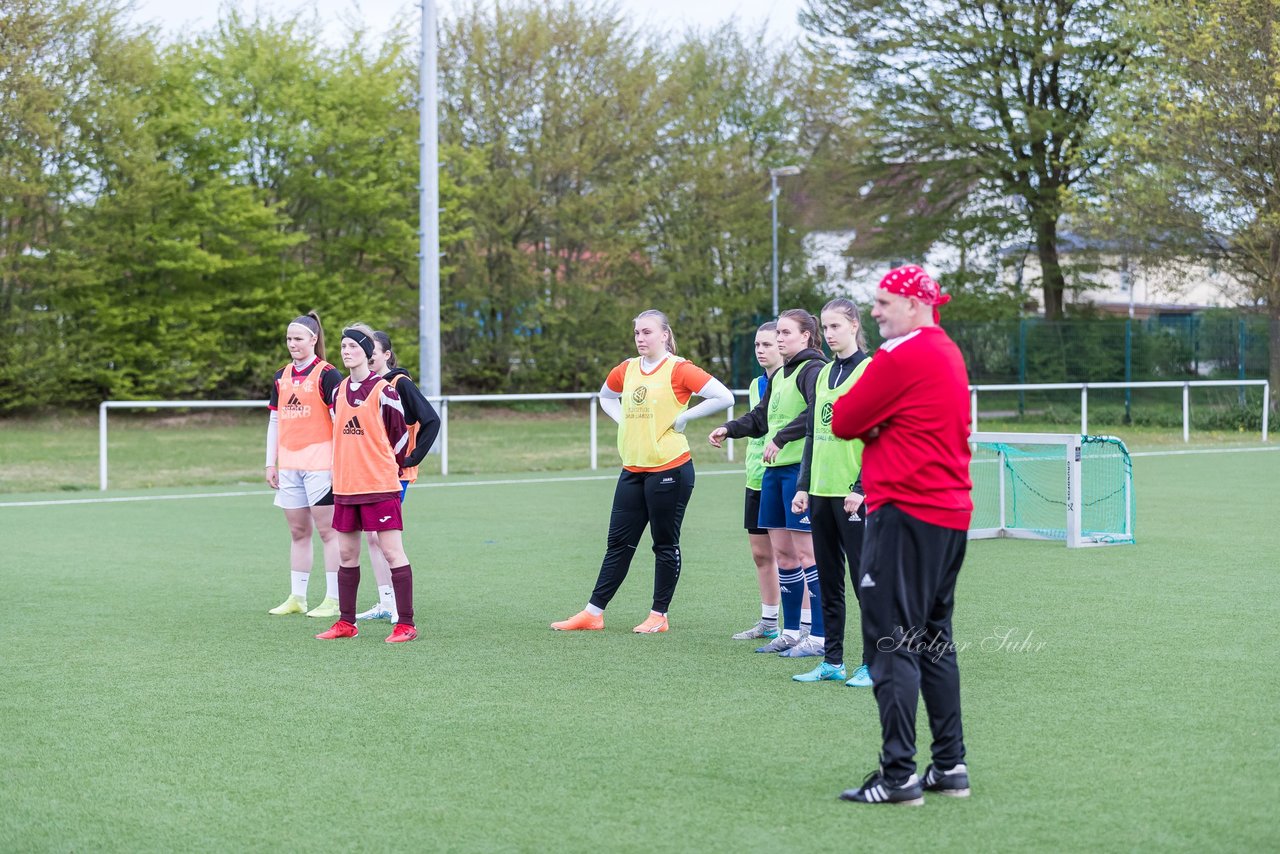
<point>299,459</point>
<point>649,398</point>
<point>370,443</point>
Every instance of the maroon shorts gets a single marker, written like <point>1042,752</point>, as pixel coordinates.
<point>382,515</point>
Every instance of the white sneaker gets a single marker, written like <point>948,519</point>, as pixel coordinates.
<point>377,612</point>
<point>759,630</point>
<point>807,647</point>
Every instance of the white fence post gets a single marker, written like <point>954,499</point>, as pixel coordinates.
<point>730,442</point>
<point>594,447</point>
<point>1266,407</point>
<point>973,408</point>
<point>1186,412</point>
<point>1084,410</point>
<point>102,446</point>
<point>444,436</point>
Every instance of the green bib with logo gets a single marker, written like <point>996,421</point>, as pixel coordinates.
<point>785,403</point>
<point>836,462</point>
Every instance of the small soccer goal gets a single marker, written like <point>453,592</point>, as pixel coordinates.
<point>1052,486</point>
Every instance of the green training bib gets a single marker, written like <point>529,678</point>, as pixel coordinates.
<point>785,403</point>
<point>836,462</point>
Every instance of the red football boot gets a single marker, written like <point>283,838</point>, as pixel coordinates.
<point>402,633</point>
<point>340,629</point>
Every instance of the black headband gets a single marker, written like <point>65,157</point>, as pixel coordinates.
<point>365,342</point>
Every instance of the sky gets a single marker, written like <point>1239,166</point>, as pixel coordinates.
<point>176,18</point>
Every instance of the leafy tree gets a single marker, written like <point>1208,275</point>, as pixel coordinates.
<point>67,73</point>
<point>996,101</point>
<point>558,106</point>
<point>733,105</point>
<point>1204,130</point>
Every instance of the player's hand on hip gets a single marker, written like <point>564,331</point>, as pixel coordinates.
<point>800,503</point>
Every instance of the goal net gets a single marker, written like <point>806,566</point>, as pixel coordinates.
<point>1052,486</point>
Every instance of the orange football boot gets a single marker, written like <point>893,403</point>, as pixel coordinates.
<point>652,625</point>
<point>583,621</point>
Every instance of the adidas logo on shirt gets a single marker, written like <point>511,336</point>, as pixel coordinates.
<point>294,408</point>
<point>866,580</point>
<point>352,427</point>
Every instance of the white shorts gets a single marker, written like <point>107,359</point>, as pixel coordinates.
<point>303,488</point>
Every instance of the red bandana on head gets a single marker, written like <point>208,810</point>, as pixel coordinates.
<point>913,281</point>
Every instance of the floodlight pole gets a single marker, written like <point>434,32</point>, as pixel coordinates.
<point>774,174</point>
<point>428,209</point>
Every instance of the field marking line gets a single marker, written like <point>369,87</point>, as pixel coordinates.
<point>1201,451</point>
<point>57,502</point>
<point>513,482</point>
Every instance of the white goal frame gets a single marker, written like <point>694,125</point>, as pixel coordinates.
<point>1072,445</point>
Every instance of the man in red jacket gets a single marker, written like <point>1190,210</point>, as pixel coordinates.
<point>911,408</point>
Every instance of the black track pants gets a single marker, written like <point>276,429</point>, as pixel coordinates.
<point>906,585</point>
<point>657,499</point>
<point>835,540</point>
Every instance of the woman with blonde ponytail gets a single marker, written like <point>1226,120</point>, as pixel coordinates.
<point>648,396</point>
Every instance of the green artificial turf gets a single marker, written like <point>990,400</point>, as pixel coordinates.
<point>150,704</point>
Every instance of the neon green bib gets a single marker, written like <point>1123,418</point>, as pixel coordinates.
<point>836,462</point>
<point>785,403</point>
<point>649,409</point>
<point>755,446</point>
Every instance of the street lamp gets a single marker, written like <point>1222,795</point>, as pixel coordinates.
<point>774,174</point>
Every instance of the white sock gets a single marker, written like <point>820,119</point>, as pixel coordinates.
<point>806,616</point>
<point>387,596</point>
<point>791,633</point>
<point>817,640</point>
<point>769,612</point>
<point>658,613</point>
<point>299,582</point>
<point>331,585</point>
<point>593,610</point>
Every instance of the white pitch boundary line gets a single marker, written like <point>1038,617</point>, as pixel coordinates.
<point>513,482</point>
<point>1202,451</point>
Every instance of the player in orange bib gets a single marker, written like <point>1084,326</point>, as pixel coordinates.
<point>648,397</point>
<point>299,459</point>
<point>424,426</point>
<point>370,443</point>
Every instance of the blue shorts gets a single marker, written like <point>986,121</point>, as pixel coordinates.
<point>776,493</point>
<point>404,489</point>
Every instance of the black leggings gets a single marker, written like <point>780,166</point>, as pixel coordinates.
<point>656,499</point>
<point>835,539</point>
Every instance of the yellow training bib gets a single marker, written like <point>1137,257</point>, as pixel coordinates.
<point>646,438</point>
